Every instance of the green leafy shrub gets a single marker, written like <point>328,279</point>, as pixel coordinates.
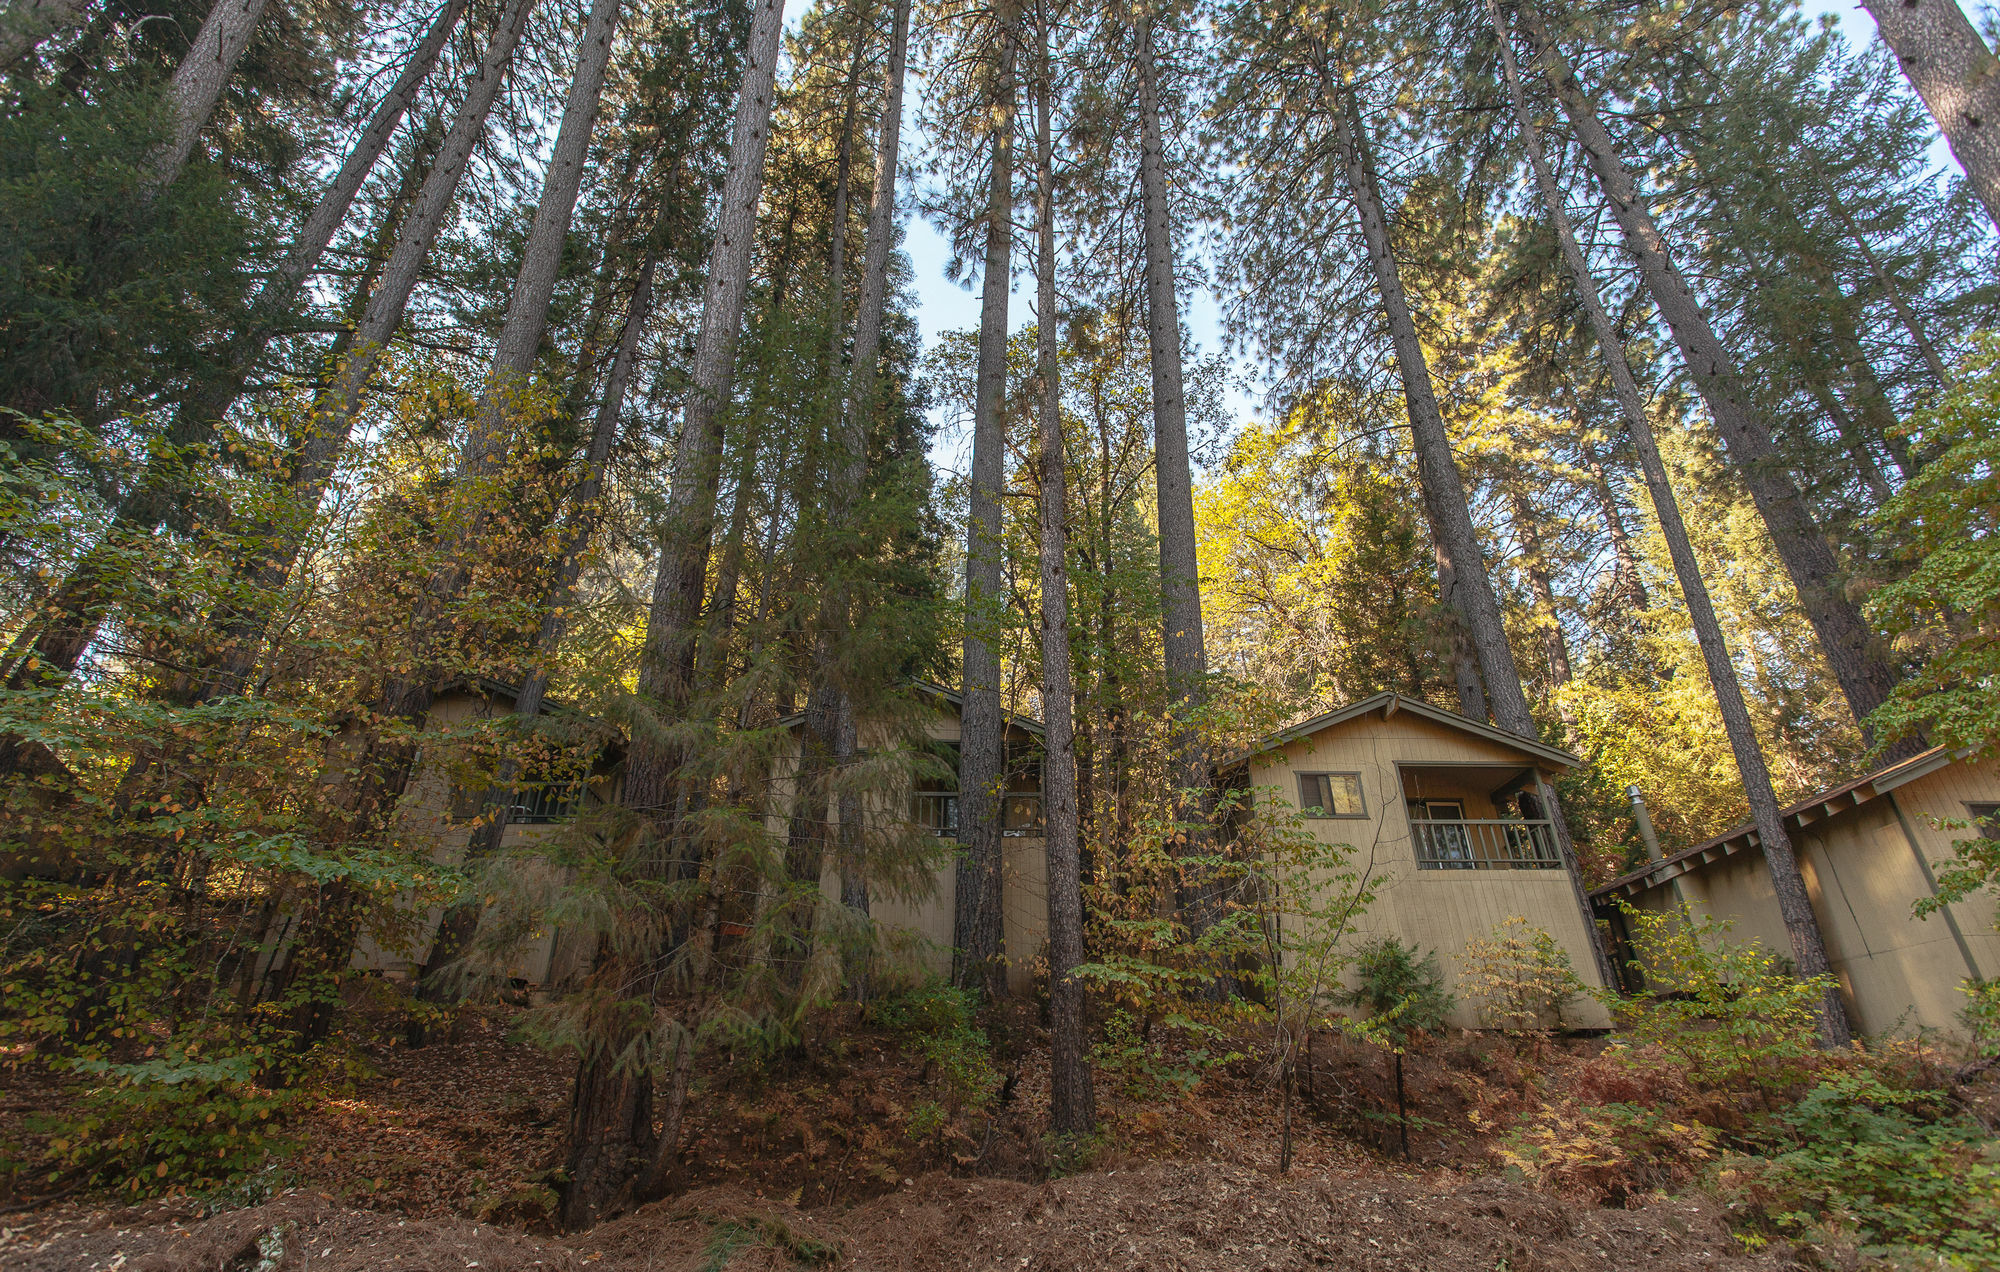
<point>1893,1167</point>
<point>1728,1011</point>
<point>940,1024</point>
<point>1522,978</point>
<point>1146,1066</point>
<point>1981,1015</point>
<point>171,1124</point>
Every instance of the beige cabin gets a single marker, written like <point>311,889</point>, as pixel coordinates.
<point>1869,851</point>
<point>1432,805</point>
<point>919,928</point>
<point>435,817</point>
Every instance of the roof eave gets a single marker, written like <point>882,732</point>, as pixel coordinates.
<point>1807,812</point>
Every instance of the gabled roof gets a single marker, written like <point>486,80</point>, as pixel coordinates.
<point>955,698</point>
<point>491,687</point>
<point>1807,812</point>
<point>1392,703</point>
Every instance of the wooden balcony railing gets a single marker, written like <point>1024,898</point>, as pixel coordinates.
<point>1020,814</point>
<point>1508,844</point>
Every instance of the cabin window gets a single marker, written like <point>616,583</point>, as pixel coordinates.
<point>1987,818</point>
<point>1331,795</point>
<point>545,803</point>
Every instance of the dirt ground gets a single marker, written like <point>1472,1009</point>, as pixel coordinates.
<point>443,1157</point>
<point>1161,1215</point>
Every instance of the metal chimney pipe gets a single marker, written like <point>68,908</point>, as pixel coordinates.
<point>1645,823</point>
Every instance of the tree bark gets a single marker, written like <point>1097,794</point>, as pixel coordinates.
<point>828,735</point>
<point>527,317</point>
<point>1464,663</point>
<point>1864,676</point>
<point>460,922</point>
<point>1072,1102</point>
<point>1957,76</point>
<point>340,401</point>
<point>667,658</point>
<point>836,266</point>
<point>1535,568</point>
<point>1186,655</point>
<point>331,211</point>
<point>978,929</point>
<point>1444,490</point>
<point>278,293</point>
<point>1794,904</point>
<point>79,606</point>
<point>373,768</point>
<point>688,530</point>
<point>861,407</point>
<point>483,458</point>
<point>1629,585</point>
<point>1461,566</point>
<point>198,81</point>
<point>241,626</point>
<point>1890,289</point>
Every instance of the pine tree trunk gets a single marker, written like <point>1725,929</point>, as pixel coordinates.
<point>667,660</point>
<point>372,787</point>
<point>1464,663</point>
<point>1186,655</point>
<point>828,735</point>
<point>483,457</point>
<point>1959,79</point>
<point>861,410</point>
<point>198,81</point>
<point>1461,566</point>
<point>1458,541</point>
<point>79,605</point>
<point>1072,1102</point>
<point>836,267</point>
<point>1852,440</point>
<point>1629,585</point>
<point>1548,619</point>
<point>597,1170</point>
<point>875,266</point>
<point>340,401</point>
<point>1890,290</point>
<point>1864,676</point>
<point>1878,417</point>
<point>521,332</point>
<point>331,211</point>
<point>459,923</point>
<point>1794,905</point>
<point>275,298</point>
<point>978,932</point>
<point>240,627</point>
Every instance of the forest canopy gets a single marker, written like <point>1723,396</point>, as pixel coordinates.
<point>1625,381</point>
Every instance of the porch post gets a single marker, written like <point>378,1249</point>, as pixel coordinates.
<point>1552,810</point>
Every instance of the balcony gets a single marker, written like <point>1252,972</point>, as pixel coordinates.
<point>1500,844</point>
<point>1020,814</point>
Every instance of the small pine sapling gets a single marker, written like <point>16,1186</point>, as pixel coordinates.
<point>1402,997</point>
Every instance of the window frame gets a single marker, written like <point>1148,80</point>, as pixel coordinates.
<point>1984,815</point>
<point>1360,795</point>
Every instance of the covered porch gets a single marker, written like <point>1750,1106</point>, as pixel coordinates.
<point>1477,817</point>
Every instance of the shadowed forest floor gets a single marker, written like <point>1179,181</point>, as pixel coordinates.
<point>442,1157</point>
